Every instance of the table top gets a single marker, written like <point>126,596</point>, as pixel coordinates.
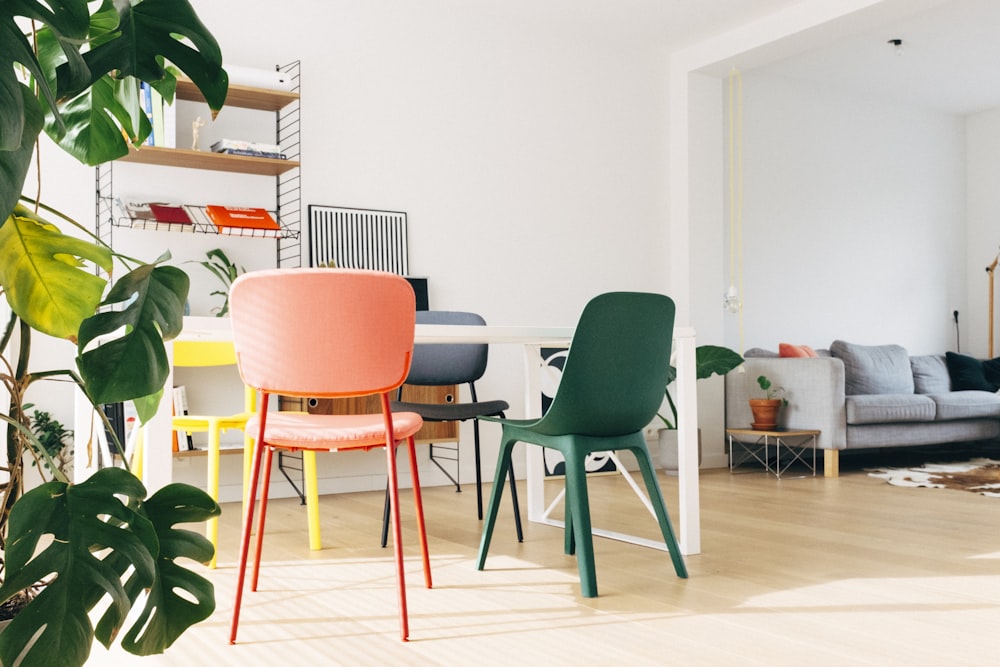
<point>776,433</point>
<point>218,328</point>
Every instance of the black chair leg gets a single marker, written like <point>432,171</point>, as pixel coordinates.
<point>517,507</point>
<point>479,472</point>
<point>385,518</point>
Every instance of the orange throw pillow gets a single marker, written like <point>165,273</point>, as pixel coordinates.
<point>787,350</point>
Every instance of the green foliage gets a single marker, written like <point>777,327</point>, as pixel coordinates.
<point>770,391</point>
<point>709,360</point>
<point>86,68</point>
<point>223,269</point>
<point>101,540</point>
<point>44,275</point>
<point>53,438</point>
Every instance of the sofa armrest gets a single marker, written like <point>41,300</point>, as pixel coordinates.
<point>814,388</point>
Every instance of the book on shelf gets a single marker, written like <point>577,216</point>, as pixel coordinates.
<point>181,408</point>
<point>135,209</point>
<point>169,125</point>
<point>175,213</point>
<point>253,153</point>
<point>146,100</point>
<point>260,78</point>
<point>162,216</point>
<point>243,145</point>
<point>243,221</point>
<point>156,103</point>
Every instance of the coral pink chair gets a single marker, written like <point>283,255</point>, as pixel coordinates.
<point>325,333</point>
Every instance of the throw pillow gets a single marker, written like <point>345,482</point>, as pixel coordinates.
<point>788,350</point>
<point>874,369</point>
<point>991,370</point>
<point>967,373</point>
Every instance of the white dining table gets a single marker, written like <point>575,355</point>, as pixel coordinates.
<point>158,448</point>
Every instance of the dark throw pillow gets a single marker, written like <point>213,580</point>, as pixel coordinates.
<point>991,370</point>
<point>967,373</point>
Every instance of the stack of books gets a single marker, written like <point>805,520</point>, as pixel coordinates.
<point>162,117</point>
<point>248,148</point>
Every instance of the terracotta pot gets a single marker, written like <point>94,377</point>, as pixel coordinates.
<point>765,413</point>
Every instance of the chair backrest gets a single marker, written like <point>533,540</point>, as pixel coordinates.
<point>616,372</point>
<point>322,332</point>
<point>446,364</point>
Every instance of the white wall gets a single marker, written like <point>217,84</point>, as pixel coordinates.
<point>854,219</point>
<point>983,241</point>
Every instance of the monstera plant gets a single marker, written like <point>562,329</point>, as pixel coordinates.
<point>72,68</point>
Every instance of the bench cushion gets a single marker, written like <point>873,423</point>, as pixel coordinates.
<point>966,405</point>
<point>890,408</point>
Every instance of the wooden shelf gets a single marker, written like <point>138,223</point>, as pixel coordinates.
<point>180,157</point>
<point>245,97</point>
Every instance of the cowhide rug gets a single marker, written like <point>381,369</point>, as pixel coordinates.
<point>978,475</point>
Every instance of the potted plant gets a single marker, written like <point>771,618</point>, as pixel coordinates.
<point>100,542</point>
<point>226,271</point>
<point>765,410</point>
<point>709,360</point>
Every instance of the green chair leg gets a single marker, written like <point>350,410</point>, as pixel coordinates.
<point>578,504</point>
<point>503,466</point>
<point>660,508</point>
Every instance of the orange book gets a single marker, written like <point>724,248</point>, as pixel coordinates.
<point>237,220</point>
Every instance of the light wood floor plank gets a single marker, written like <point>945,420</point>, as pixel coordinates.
<point>818,571</point>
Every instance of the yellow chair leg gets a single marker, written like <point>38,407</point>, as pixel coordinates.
<point>138,451</point>
<point>312,499</point>
<point>213,483</point>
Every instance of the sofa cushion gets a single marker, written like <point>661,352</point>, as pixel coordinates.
<point>874,369</point>
<point>967,373</point>
<point>889,408</point>
<point>930,374</point>
<point>966,405</point>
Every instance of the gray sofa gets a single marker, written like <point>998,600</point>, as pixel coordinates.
<point>863,397</point>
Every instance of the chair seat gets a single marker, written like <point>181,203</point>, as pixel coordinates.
<point>297,430</point>
<point>445,412</point>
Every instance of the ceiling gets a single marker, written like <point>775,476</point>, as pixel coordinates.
<point>950,59</point>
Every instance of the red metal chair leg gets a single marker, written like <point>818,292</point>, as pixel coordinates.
<point>419,503</point>
<point>268,457</point>
<point>397,541</point>
<point>247,525</point>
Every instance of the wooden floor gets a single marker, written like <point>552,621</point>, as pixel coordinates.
<point>845,571</point>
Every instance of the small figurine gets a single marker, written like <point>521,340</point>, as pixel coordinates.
<point>195,126</point>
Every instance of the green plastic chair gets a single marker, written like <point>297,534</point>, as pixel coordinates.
<point>611,387</point>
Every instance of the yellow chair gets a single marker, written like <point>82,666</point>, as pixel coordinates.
<point>215,353</point>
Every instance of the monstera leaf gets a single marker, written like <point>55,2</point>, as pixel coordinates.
<point>42,274</point>
<point>89,66</point>
<point>130,362</point>
<point>98,548</point>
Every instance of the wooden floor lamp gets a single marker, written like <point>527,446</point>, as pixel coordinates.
<point>990,270</point>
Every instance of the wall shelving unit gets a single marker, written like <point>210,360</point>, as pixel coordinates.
<point>285,105</point>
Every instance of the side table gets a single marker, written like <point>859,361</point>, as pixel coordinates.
<point>756,445</point>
